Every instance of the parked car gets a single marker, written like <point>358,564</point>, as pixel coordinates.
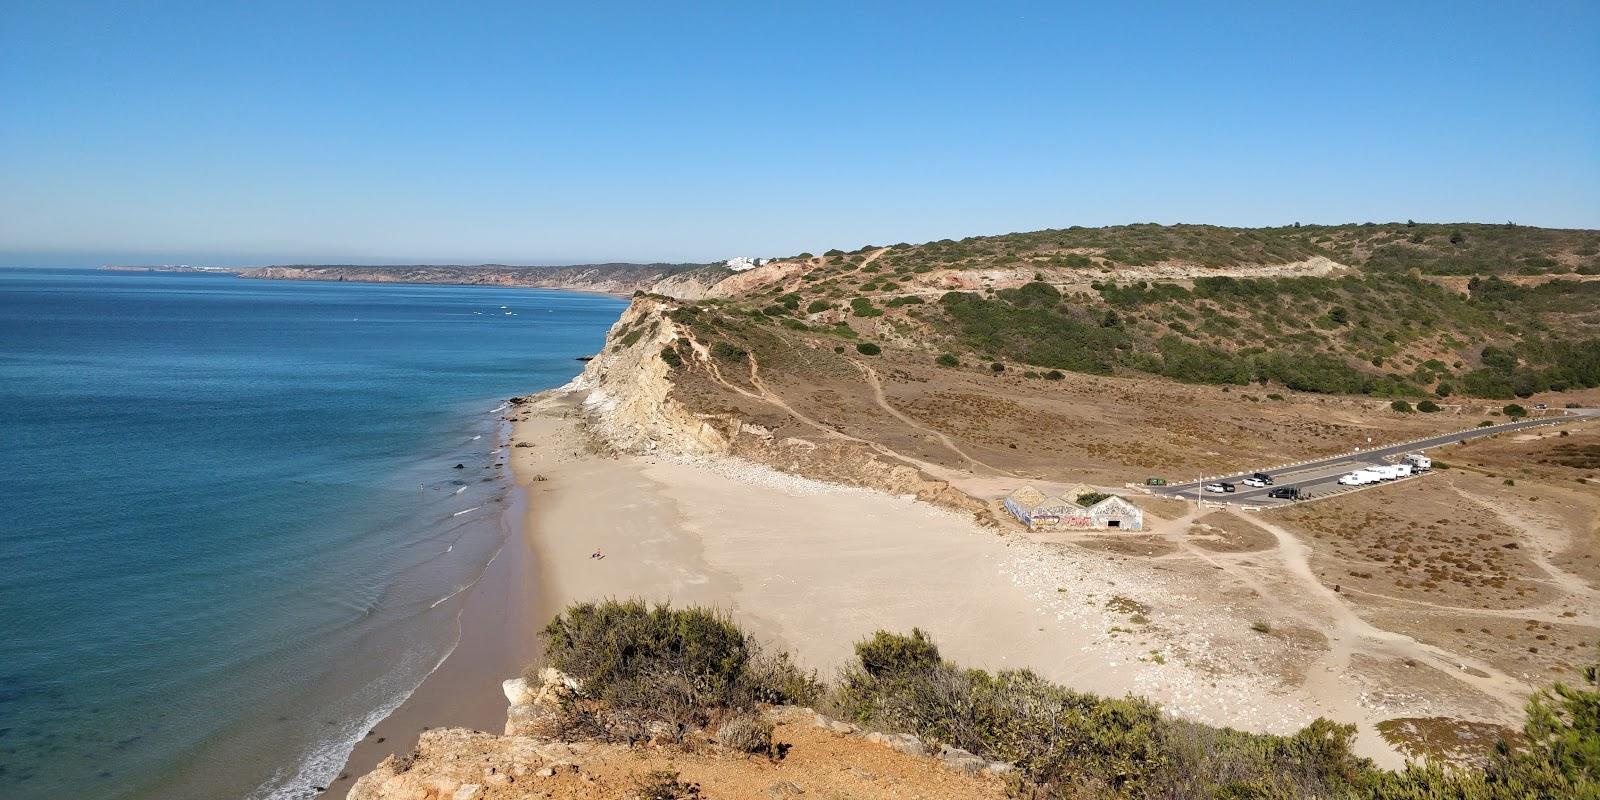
<point>1263,477</point>
<point>1284,493</point>
<point>1255,482</point>
<point>1155,481</point>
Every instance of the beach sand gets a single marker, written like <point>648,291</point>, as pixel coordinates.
<point>812,568</point>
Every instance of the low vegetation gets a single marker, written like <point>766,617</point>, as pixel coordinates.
<point>1298,332</point>
<point>659,669</point>
<point>694,666</point>
<point>1424,310</point>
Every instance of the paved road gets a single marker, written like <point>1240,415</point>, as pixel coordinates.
<point>1321,477</point>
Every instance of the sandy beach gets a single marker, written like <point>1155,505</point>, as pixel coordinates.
<point>813,567</point>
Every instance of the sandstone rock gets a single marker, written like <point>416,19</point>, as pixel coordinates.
<point>555,688</point>
<point>784,789</point>
<point>903,742</point>
<point>518,692</point>
<point>467,791</point>
<point>956,758</point>
<point>998,768</point>
<point>531,720</point>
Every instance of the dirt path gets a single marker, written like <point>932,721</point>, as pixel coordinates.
<point>1542,536</point>
<point>1350,634</point>
<point>883,402</point>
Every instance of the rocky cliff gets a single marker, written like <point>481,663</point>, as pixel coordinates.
<point>636,400</point>
<point>606,278</point>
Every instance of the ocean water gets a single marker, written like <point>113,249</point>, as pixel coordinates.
<point>232,530</point>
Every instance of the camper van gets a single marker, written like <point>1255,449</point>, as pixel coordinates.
<point>1358,478</point>
<point>1419,462</point>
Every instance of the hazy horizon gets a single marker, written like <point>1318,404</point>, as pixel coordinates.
<point>353,133</point>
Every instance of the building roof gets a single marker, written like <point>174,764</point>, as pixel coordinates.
<point>1026,496</point>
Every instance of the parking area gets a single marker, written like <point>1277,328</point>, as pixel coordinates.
<point>1319,478</point>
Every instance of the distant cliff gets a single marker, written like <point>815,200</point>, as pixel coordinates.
<point>608,278</point>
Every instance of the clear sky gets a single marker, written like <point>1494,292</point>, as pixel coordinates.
<point>220,132</point>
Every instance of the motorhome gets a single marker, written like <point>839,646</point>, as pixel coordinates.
<point>1360,477</point>
<point>1419,462</point>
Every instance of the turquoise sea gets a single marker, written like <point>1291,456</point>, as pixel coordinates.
<point>233,534</point>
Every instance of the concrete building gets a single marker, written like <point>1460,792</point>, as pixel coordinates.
<point>1041,512</point>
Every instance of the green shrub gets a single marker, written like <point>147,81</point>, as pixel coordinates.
<point>1514,411</point>
<point>1401,406</point>
<point>664,784</point>
<point>862,307</point>
<point>1070,744</point>
<point>948,360</point>
<point>671,356</point>
<point>818,306</point>
<point>655,664</point>
<point>747,733</point>
<point>868,349</point>
<point>1428,407</point>
<point>726,351</point>
<point>997,367</point>
<point>1054,375</point>
<point>892,654</point>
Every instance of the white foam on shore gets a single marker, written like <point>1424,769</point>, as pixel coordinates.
<point>326,758</point>
<point>459,589</point>
<point>468,511</point>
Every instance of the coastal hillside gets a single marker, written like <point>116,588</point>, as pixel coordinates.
<point>608,278</point>
<point>856,369</point>
<point>1399,311</point>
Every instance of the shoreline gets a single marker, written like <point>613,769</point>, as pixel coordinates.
<point>809,567</point>
<point>495,640</point>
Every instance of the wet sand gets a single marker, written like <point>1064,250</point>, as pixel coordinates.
<point>498,623</point>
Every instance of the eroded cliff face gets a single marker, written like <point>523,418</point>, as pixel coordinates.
<point>628,391</point>
<point>631,396</point>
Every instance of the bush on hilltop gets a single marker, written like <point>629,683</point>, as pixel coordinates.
<point>655,664</point>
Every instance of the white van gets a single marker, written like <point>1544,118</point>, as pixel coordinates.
<point>1357,478</point>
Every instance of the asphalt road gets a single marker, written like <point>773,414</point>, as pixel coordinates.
<point>1320,478</point>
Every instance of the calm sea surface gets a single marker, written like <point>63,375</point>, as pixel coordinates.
<point>232,533</point>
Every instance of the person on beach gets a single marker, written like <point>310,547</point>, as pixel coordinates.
<point>597,554</point>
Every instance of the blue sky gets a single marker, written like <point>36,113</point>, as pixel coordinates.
<point>546,133</point>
